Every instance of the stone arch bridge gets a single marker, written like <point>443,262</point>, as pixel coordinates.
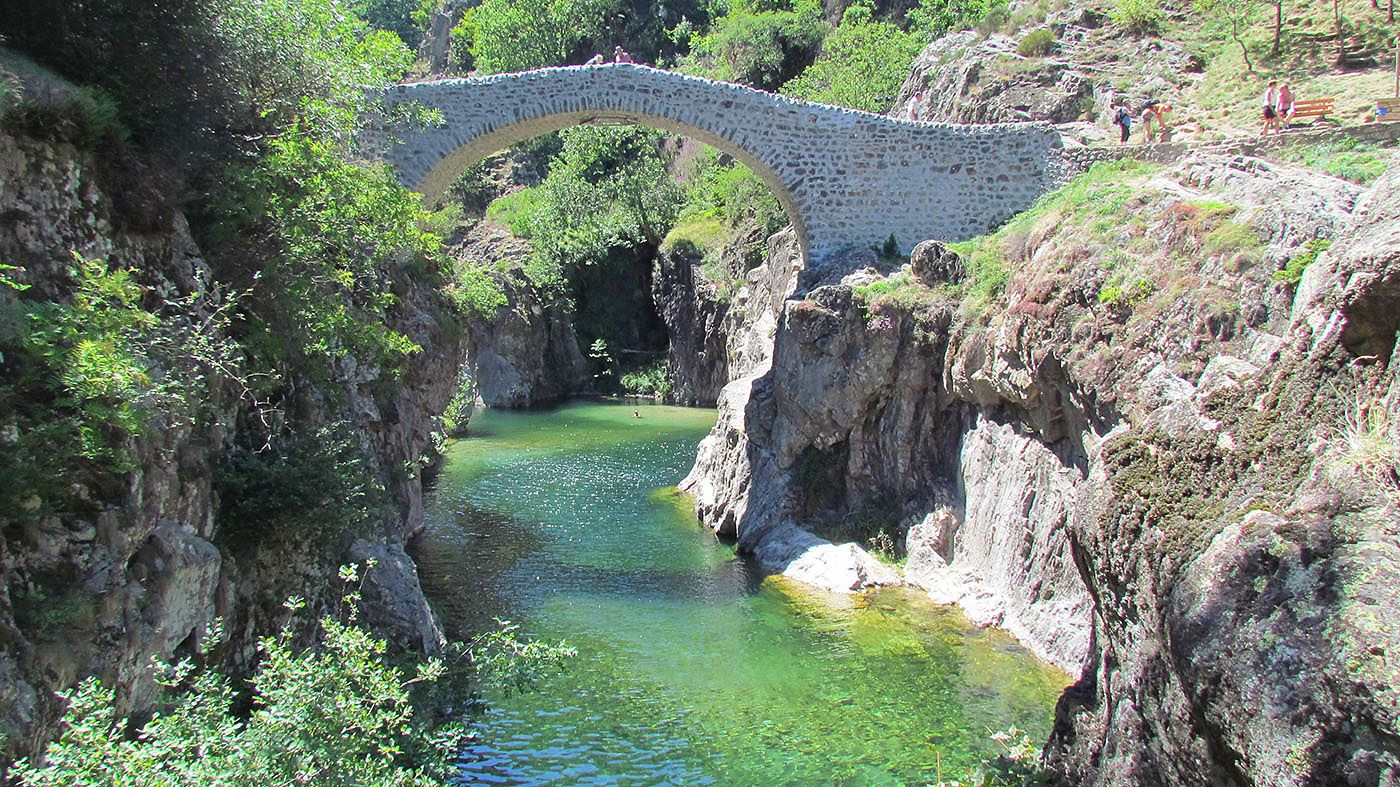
<point>847,179</point>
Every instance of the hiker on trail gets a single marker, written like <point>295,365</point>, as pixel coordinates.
<point>1286,106</point>
<point>1270,108</point>
<point>620,55</point>
<point>1158,112</point>
<point>1123,119</point>
<point>596,60</point>
<point>1149,113</point>
<point>914,105</point>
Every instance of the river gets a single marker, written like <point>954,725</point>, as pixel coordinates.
<point>692,667</point>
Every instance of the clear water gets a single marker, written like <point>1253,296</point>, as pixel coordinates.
<point>692,668</point>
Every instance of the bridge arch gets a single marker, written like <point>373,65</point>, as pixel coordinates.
<point>846,178</point>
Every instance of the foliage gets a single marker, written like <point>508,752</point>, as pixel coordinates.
<point>1144,16</point>
<point>1292,273</point>
<point>862,64</point>
<point>335,714</point>
<point>648,380</point>
<point>333,237</point>
<point>763,46</point>
<point>1121,292</point>
<point>85,373</point>
<point>608,188</point>
<point>515,35</point>
<point>477,293</point>
<point>934,18</point>
<point>512,665</point>
<point>723,189</point>
<point>1036,43</point>
<point>1233,17</point>
<point>405,18</point>
<point>313,483</point>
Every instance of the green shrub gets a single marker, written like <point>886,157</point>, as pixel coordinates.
<point>313,483</point>
<point>1037,43</point>
<point>337,713</point>
<point>763,47</point>
<point>515,35</point>
<point>477,293</point>
<point>1348,159</point>
<point>1121,292</point>
<point>1292,273</point>
<point>934,18</point>
<point>1143,16</point>
<point>862,64</point>
<point>647,381</point>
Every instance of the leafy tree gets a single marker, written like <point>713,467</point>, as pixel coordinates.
<point>862,65</point>
<point>1232,16</point>
<point>760,45</point>
<point>515,35</point>
<point>934,18</point>
<point>405,18</point>
<point>608,188</point>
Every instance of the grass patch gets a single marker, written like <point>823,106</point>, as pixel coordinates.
<point>697,234</point>
<point>1348,159</point>
<point>513,210</point>
<point>1292,273</point>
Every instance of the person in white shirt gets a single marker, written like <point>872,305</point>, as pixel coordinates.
<point>914,105</point>
<point>1270,108</point>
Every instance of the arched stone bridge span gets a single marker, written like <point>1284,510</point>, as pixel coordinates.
<point>846,178</point>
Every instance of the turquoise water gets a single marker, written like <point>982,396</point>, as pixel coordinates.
<point>692,668</point>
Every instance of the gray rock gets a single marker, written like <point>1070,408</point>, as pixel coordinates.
<point>934,263</point>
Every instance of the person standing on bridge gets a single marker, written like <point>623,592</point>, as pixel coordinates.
<point>914,105</point>
<point>596,60</point>
<point>620,55</point>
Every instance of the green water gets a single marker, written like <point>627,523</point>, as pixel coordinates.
<point>693,669</point>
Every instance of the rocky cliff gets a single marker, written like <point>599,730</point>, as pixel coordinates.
<point>137,569</point>
<point>1110,429</point>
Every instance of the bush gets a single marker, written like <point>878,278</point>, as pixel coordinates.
<point>1143,16</point>
<point>337,713</point>
<point>309,483</point>
<point>1292,273</point>
<point>760,47</point>
<point>862,64</point>
<point>934,18</point>
<point>647,381</point>
<point>515,35</point>
<point>1037,43</point>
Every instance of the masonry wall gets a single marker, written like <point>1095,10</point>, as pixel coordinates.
<point>847,178</point>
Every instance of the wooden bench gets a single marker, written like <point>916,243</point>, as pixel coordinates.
<point>1391,107</point>
<point>1312,108</point>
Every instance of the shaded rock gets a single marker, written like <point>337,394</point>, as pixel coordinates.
<point>934,263</point>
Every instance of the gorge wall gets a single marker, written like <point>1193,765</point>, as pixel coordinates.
<point>1152,489</point>
<point>146,567</point>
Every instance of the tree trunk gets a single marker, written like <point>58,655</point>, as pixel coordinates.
<point>1235,34</point>
<point>1278,25</point>
<point>1341,39</point>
